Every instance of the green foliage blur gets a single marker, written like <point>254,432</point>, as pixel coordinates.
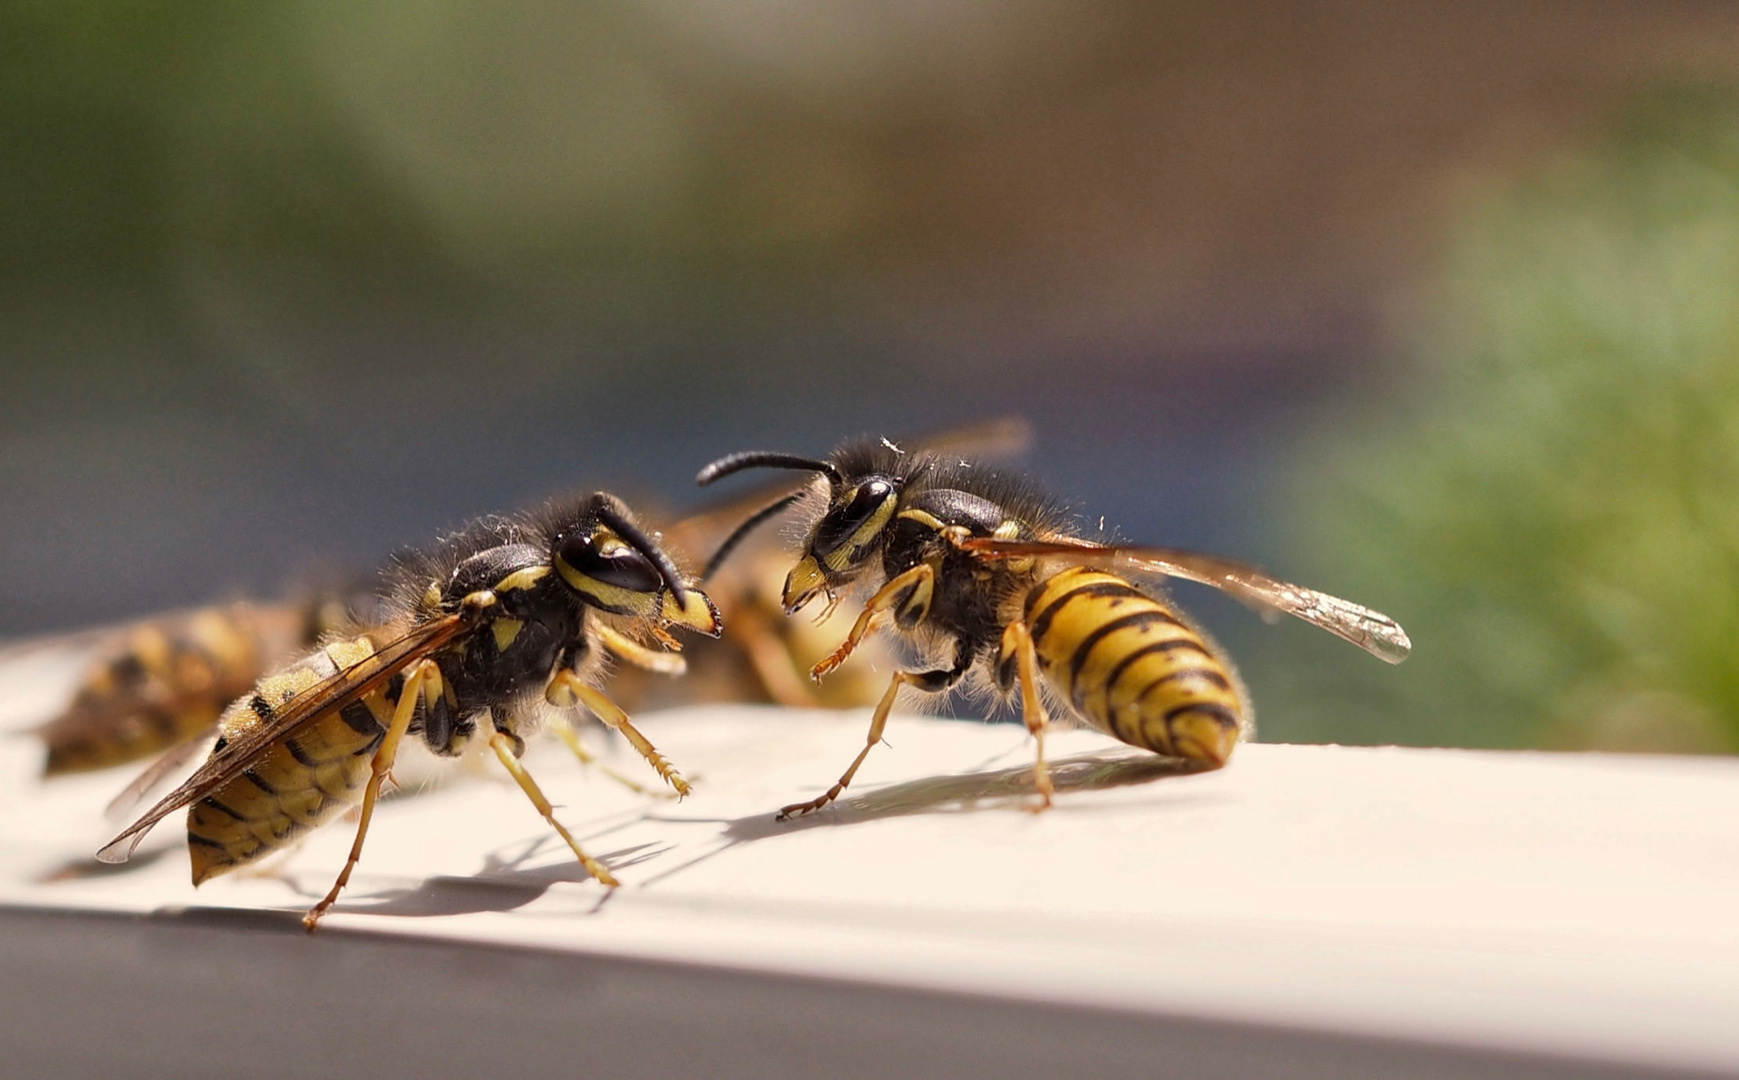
<point>1555,516</point>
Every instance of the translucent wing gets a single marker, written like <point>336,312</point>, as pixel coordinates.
<point>339,690</point>
<point>166,763</point>
<point>999,439</point>
<point>1371,631</point>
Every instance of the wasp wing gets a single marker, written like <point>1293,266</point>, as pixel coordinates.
<point>1000,438</point>
<point>341,689</point>
<point>1371,631</point>
<point>166,763</point>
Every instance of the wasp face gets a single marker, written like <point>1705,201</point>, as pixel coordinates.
<point>618,575</point>
<point>846,541</point>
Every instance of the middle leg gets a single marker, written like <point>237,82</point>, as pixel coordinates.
<point>504,748</point>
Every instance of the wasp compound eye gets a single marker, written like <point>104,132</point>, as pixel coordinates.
<point>605,560</point>
<point>856,522</point>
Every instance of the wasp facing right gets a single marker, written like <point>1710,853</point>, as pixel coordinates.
<point>479,634</point>
<point>984,574</point>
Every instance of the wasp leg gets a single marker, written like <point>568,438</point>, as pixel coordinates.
<point>423,673</point>
<point>931,681</point>
<point>504,749</point>
<point>772,663</point>
<point>564,730</point>
<point>659,663</point>
<point>1017,644</point>
<point>907,596</point>
<point>566,690</point>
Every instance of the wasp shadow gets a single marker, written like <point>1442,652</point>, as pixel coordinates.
<point>85,867</point>
<point>956,793</point>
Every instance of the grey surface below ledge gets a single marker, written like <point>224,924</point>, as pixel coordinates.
<point>222,994</point>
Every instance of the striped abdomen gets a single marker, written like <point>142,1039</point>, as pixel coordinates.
<point>300,781</point>
<point>167,684</point>
<point>1132,668</point>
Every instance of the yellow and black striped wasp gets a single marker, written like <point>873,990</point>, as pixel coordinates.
<point>985,575</point>
<point>766,656</point>
<point>161,682</point>
<point>477,636</point>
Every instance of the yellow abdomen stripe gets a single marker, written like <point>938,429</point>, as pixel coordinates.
<point>1131,667</point>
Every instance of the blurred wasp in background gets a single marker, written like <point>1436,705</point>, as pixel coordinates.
<point>475,639</point>
<point>160,682</point>
<point>985,575</point>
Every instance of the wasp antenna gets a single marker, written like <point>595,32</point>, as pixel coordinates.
<point>741,532</point>
<point>765,459</point>
<point>610,514</point>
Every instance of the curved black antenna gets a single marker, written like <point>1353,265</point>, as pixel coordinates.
<point>765,459</point>
<point>610,513</point>
<point>741,532</point>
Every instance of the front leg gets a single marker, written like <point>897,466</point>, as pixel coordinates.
<point>567,690</point>
<point>907,596</point>
<point>933,682</point>
<point>625,647</point>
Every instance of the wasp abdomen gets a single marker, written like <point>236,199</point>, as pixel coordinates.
<point>300,781</point>
<point>167,684</point>
<point>1132,668</point>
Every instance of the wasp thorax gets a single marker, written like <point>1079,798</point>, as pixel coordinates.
<point>603,568</point>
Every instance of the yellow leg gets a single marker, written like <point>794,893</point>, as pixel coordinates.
<point>566,690</point>
<point>660,663</point>
<point>504,750</point>
<point>564,730</point>
<point>1018,640</point>
<point>878,722</point>
<point>415,678</point>
<point>912,587</point>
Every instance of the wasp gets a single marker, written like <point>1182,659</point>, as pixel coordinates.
<point>162,682</point>
<point>766,656</point>
<point>476,636</point>
<point>985,574</point>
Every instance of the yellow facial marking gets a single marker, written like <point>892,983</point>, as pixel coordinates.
<point>840,558</point>
<point>699,614</point>
<point>922,517</point>
<point>611,597</point>
<point>804,581</point>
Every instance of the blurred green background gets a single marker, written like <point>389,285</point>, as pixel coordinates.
<point>1428,305</point>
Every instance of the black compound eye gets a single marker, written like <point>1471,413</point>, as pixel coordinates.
<point>609,563</point>
<point>840,525</point>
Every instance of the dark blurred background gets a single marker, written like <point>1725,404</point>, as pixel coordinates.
<point>1423,304</point>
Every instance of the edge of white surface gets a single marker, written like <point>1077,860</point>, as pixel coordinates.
<point>1508,963</point>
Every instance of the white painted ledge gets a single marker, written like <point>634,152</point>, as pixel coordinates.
<point>1576,906</point>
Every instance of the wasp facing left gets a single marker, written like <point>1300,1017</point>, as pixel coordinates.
<point>475,638</point>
